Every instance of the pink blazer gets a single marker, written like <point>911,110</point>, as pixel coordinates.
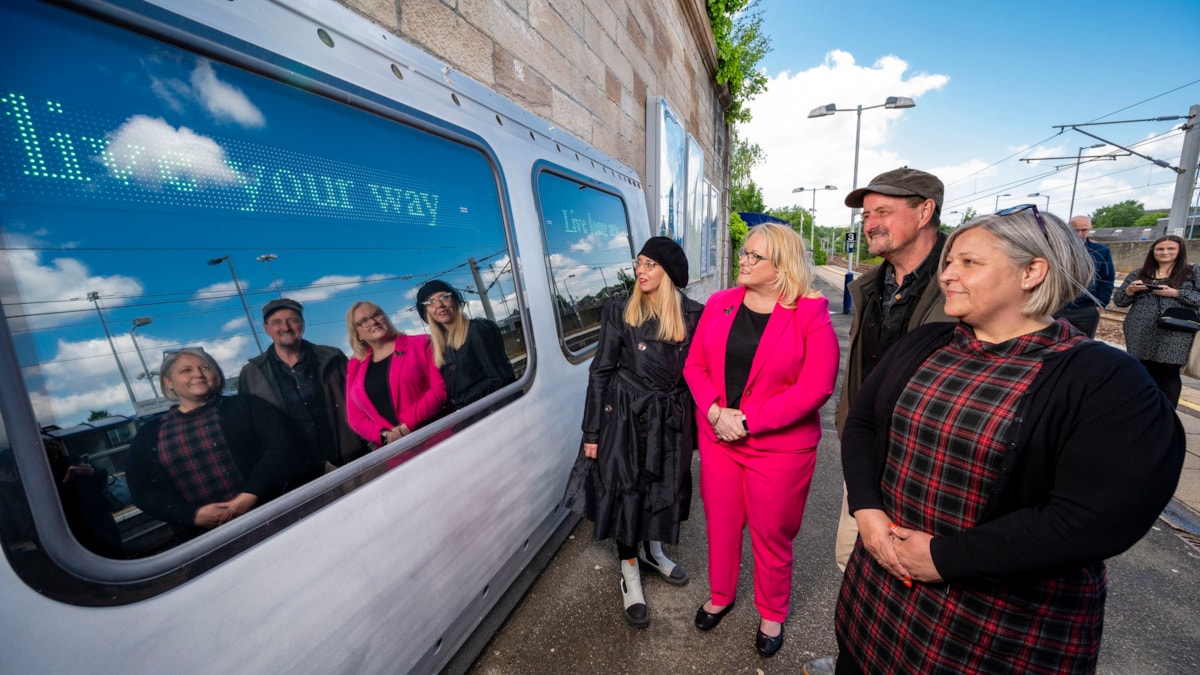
<point>412,373</point>
<point>791,376</point>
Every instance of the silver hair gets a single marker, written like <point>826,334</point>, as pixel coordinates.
<point>168,368</point>
<point>1070,266</point>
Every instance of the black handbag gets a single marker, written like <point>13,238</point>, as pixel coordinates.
<point>1185,319</point>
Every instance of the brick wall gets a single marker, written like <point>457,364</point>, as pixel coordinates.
<point>587,66</point>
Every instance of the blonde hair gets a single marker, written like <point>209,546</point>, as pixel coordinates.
<point>443,338</point>
<point>359,346</point>
<point>785,250</point>
<point>664,304</point>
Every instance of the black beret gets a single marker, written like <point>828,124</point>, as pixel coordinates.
<point>665,252</point>
<point>430,289</point>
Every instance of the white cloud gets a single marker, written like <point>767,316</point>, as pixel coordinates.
<point>234,324</point>
<point>328,286</point>
<point>820,151</point>
<point>154,153</point>
<point>224,101</point>
<point>44,291</point>
<point>83,376</point>
<point>218,291</point>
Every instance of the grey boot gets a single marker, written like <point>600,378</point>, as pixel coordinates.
<point>636,612</point>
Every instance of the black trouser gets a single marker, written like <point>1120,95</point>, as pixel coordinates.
<point>1167,377</point>
<point>1086,318</point>
<point>626,551</point>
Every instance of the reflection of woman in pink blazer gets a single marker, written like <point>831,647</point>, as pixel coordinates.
<point>762,363</point>
<point>392,384</point>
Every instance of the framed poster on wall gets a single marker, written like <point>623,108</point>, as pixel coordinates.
<point>666,169</point>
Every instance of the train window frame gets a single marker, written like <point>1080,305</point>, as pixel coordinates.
<point>68,571</point>
<point>621,268</point>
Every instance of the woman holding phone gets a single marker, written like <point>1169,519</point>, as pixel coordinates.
<point>1164,280</point>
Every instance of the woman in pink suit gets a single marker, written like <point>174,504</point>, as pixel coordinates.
<point>393,386</point>
<point>762,363</point>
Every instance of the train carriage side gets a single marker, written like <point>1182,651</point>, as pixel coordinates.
<point>167,169</point>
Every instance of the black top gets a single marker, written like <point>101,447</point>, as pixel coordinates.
<point>744,335</point>
<point>479,367</point>
<point>378,390</point>
<point>890,306</point>
<point>304,396</point>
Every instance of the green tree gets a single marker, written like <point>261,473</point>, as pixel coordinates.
<point>98,415</point>
<point>744,194</point>
<point>741,45</point>
<point>1150,219</point>
<point>1124,214</point>
<point>737,237</point>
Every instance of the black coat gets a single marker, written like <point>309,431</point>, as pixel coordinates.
<point>479,367</point>
<point>640,413</point>
<point>258,438</point>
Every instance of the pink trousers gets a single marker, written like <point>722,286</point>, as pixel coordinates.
<point>768,490</point>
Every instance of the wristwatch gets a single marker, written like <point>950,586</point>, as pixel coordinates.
<point>383,437</point>
<point>745,426</point>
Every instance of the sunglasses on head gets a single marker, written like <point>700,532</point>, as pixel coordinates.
<point>1013,210</point>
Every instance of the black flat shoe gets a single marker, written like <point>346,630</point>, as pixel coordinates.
<point>707,621</point>
<point>767,645</point>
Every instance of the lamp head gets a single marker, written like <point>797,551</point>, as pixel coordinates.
<point>142,321</point>
<point>823,111</point>
<point>899,102</point>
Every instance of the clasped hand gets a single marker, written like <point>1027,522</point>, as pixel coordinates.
<point>219,513</point>
<point>901,552</point>
<point>727,423</point>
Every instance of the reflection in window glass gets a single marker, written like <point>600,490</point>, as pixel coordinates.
<point>587,236</point>
<point>155,200</point>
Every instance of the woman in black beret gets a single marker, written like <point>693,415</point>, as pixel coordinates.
<point>469,352</point>
<point>633,475</point>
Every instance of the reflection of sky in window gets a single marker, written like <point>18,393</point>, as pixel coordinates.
<point>587,234</point>
<point>126,165</point>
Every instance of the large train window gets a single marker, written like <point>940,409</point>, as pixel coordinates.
<point>153,203</point>
<point>587,237</point>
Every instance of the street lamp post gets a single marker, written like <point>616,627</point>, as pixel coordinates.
<point>574,306</point>
<point>996,207</point>
<point>1075,183</point>
<point>238,287</point>
<point>1038,194</point>
<point>267,258</point>
<point>138,323</point>
<point>892,103</point>
<point>602,277</point>
<point>812,232</point>
<point>94,298</point>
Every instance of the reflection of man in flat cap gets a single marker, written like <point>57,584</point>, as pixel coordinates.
<point>306,382</point>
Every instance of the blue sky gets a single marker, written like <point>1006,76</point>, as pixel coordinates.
<point>126,166</point>
<point>990,81</point>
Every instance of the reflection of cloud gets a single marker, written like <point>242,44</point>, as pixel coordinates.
<point>224,101</point>
<point>218,291</point>
<point>82,376</point>
<point>40,288</point>
<point>328,286</point>
<point>234,324</point>
<point>156,153</point>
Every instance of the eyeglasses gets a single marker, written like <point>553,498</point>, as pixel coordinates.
<point>438,299</point>
<point>647,263</point>
<point>1013,210</point>
<point>377,317</point>
<point>751,258</point>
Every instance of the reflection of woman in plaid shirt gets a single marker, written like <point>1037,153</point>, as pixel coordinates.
<point>989,467</point>
<point>208,459</point>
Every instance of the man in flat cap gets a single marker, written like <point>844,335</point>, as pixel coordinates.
<point>307,383</point>
<point>901,212</point>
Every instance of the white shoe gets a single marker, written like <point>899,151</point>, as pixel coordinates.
<point>636,612</point>
<point>652,556</point>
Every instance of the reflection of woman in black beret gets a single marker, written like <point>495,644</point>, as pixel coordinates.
<point>469,352</point>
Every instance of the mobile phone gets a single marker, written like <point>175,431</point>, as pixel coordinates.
<point>1152,285</point>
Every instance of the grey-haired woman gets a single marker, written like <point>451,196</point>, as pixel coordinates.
<point>211,458</point>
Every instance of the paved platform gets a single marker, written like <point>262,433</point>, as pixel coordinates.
<point>570,621</point>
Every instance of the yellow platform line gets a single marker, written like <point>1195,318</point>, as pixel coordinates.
<point>1189,405</point>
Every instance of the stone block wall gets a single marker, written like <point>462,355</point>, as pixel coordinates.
<point>587,66</point>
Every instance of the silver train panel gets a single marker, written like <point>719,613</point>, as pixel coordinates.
<point>393,574</point>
